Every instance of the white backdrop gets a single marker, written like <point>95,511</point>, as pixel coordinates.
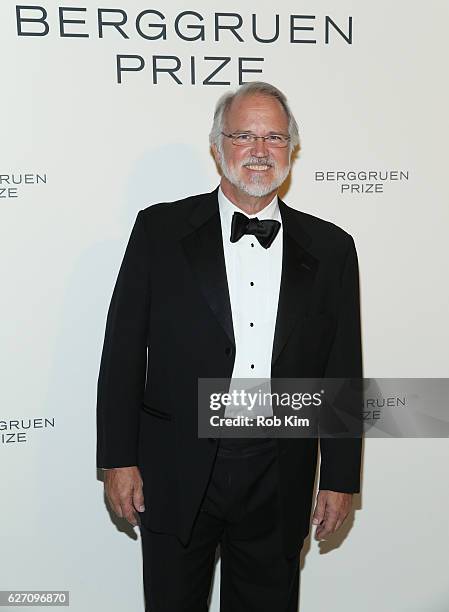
<point>81,154</point>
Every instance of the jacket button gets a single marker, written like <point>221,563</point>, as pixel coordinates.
<point>228,350</point>
<point>212,440</point>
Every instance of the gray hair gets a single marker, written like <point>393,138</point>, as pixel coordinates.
<point>255,87</point>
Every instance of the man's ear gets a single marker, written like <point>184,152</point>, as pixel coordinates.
<point>215,153</point>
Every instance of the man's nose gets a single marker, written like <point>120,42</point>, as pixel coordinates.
<point>259,148</point>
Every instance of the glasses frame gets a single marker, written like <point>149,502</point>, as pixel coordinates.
<point>255,138</point>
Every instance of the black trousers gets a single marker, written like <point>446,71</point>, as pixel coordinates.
<point>240,512</point>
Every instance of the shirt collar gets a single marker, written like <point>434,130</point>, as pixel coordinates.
<point>228,208</point>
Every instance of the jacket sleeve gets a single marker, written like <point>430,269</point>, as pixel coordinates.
<point>341,457</point>
<point>121,379</point>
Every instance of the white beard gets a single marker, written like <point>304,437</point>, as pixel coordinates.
<point>255,187</point>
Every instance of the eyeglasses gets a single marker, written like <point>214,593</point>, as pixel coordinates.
<point>272,140</point>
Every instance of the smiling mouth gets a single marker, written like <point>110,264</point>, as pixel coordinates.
<point>258,168</point>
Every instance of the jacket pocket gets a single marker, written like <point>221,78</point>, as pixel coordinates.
<point>161,414</point>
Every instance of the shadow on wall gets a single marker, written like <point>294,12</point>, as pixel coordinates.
<point>171,172</point>
<point>167,173</point>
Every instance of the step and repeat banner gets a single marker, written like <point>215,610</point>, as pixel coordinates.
<point>106,109</point>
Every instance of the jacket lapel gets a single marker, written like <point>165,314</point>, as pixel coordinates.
<point>297,276</point>
<point>204,250</point>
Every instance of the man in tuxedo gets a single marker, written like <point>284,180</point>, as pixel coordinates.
<point>232,284</point>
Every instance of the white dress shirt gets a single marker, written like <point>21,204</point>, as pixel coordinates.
<point>254,277</point>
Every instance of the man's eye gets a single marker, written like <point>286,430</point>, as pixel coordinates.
<point>274,138</point>
<point>243,137</point>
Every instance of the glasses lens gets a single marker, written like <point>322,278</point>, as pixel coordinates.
<point>243,139</point>
<point>276,140</point>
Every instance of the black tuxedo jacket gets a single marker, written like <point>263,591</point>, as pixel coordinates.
<point>170,322</point>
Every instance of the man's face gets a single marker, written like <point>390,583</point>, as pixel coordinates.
<point>256,169</point>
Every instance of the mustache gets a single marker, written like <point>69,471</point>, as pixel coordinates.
<point>259,161</point>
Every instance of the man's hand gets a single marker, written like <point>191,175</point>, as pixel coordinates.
<point>123,488</point>
<point>331,510</point>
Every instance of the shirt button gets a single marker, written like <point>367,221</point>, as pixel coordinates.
<point>252,284</point>
<point>252,244</point>
<point>251,324</point>
<point>252,366</point>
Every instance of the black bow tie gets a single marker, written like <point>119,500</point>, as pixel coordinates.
<point>265,231</point>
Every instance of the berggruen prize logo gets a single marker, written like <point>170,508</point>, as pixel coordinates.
<point>12,183</point>
<point>16,431</point>
<point>361,181</point>
<point>158,30</point>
